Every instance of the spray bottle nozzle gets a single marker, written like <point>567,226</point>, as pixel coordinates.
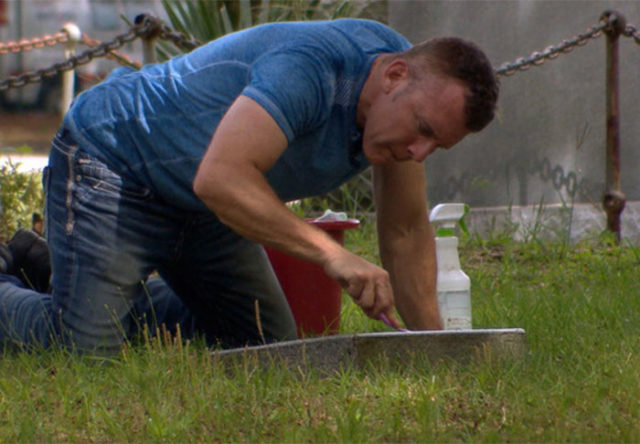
<point>446,216</point>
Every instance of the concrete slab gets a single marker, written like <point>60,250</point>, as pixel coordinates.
<point>331,353</point>
<point>553,221</point>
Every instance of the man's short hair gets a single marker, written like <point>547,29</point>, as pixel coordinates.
<point>460,59</point>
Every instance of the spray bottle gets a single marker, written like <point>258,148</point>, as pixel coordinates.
<point>454,286</point>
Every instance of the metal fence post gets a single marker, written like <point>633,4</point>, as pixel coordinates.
<point>614,199</point>
<point>68,77</point>
<point>148,39</point>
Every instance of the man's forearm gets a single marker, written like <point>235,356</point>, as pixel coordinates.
<point>411,262</point>
<point>251,209</point>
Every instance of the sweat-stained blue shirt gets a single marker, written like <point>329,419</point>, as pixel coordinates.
<point>154,125</point>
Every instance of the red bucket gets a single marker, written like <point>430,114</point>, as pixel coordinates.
<point>313,296</point>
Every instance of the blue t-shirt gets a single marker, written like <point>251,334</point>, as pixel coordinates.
<point>154,125</point>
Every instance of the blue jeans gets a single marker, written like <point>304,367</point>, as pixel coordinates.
<point>107,234</point>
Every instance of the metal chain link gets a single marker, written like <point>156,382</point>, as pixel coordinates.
<point>156,28</point>
<point>36,43</point>
<point>632,31</point>
<point>145,24</point>
<point>73,62</point>
<point>178,38</point>
<point>551,52</point>
<point>120,58</point>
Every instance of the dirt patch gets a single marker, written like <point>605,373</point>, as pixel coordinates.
<point>35,129</point>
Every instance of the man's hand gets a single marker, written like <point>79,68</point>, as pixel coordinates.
<point>366,283</point>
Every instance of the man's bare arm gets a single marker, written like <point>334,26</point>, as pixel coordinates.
<point>407,246</point>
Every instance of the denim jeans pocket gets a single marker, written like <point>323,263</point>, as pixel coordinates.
<point>93,176</point>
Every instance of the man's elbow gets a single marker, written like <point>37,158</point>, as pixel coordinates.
<point>200,185</point>
<point>206,187</point>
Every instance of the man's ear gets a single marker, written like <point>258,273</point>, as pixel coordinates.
<point>395,73</point>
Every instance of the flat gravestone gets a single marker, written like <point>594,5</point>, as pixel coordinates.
<point>329,353</point>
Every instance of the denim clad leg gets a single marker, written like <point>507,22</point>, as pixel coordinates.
<point>229,284</point>
<point>106,235</point>
<point>25,315</point>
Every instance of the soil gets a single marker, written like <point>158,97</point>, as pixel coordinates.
<point>33,128</point>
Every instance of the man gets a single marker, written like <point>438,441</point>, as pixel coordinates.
<point>183,167</point>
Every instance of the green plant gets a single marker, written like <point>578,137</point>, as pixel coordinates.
<point>354,198</point>
<point>20,196</point>
<point>206,20</point>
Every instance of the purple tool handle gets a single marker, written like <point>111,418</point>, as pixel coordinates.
<point>386,320</point>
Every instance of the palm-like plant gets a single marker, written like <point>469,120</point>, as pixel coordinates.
<point>205,20</point>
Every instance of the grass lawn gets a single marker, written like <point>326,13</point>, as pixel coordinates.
<point>580,381</point>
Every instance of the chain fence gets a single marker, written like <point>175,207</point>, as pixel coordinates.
<point>147,27</point>
<point>607,21</point>
<point>35,43</point>
<point>72,62</point>
<point>632,32</point>
<point>118,57</point>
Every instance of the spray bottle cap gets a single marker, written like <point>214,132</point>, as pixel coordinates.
<point>446,216</point>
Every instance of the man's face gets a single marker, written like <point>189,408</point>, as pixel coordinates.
<point>411,119</point>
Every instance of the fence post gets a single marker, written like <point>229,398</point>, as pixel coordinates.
<point>68,77</point>
<point>148,51</point>
<point>614,199</point>
<point>148,39</point>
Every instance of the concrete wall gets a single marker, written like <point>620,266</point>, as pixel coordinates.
<point>548,144</point>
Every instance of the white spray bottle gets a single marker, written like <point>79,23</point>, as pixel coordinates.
<point>454,286</point>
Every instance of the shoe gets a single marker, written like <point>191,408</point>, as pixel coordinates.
<point>31,261</point>
<point>6,260</point>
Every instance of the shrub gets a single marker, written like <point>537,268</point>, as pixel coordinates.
<point>20,196</point>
